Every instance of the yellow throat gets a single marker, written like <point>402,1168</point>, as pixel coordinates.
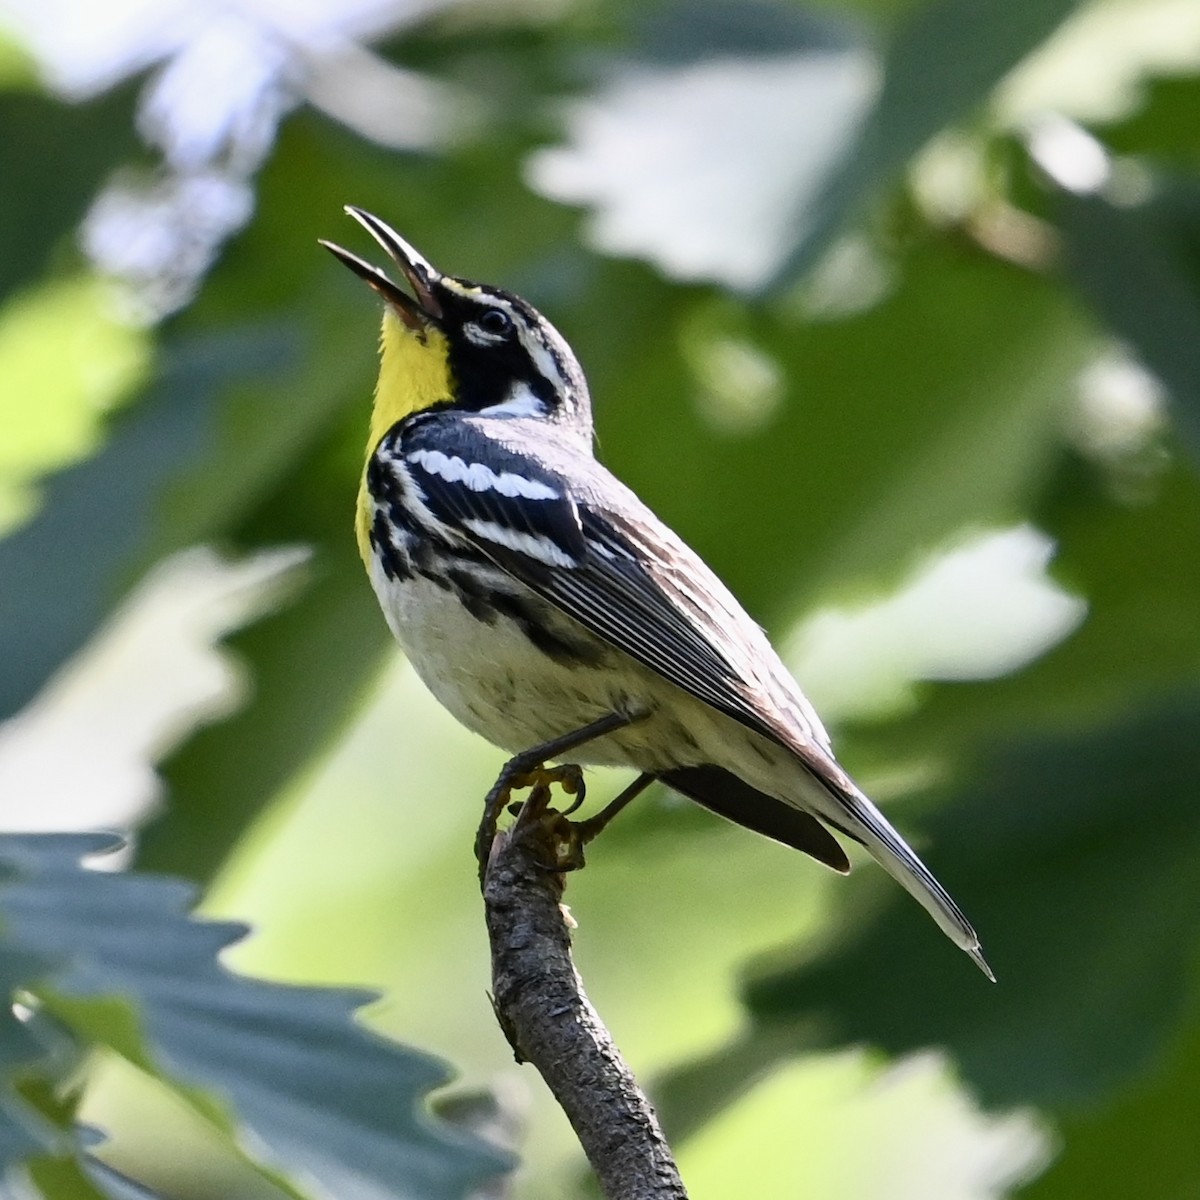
<point>414,373</point>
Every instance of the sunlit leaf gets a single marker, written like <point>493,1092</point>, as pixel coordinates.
<point>66,360</point>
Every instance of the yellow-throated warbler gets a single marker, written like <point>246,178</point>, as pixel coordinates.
<point>543,603</point>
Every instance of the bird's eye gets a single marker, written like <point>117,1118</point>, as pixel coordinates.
<point>495,322</point>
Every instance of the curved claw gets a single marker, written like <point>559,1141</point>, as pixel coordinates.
<point>518,774</point>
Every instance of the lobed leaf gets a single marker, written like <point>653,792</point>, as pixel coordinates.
<point>287,1069</point>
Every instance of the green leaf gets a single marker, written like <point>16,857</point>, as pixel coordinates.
<point>101,517</point>
<point>1078,860</point>
<point>940,66</point>
<point>1140,1145</point>
<point>1129,559</point>
<point>1130,263</point>
<point>53,158</point>
<point>313,1091</point>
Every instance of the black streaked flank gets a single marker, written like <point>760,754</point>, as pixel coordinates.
<point>394,561</point>
<point>538,621</point>
<point>473,591</point>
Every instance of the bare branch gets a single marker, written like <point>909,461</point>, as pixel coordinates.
<point>549,1021</point>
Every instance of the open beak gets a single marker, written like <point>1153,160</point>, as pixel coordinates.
<point>418,271</point>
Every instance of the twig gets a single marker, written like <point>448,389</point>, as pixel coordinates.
<point>549,1021</point>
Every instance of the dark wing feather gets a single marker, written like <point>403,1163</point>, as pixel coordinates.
<point>617,571</point>
<point>617,594</point>
<point>543,516</point>
<point>728,796</point>
<point>583,542</point>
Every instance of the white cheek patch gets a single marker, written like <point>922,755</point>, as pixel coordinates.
<point>521,401</point>
<point>481,478</point>
<point>532,544</point>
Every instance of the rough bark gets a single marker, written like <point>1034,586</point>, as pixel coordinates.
<point>549,1021</point>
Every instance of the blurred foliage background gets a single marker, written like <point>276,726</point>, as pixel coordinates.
<point>890,307</point>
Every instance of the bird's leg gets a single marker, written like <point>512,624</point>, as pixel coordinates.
<point>594,826</point>
<point>527,769</point>
<point>570,837</point>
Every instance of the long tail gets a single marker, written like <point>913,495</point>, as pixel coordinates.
<point>858,818</point>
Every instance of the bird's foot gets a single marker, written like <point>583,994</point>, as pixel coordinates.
<point>528,770</point>
<point>560,839</point>
<point>518,774</point>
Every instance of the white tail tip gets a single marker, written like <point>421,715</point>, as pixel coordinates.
<point>977,958</point>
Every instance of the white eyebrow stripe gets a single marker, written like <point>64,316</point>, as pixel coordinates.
<point>480,477</point>
<point>534,545</point>
<point>482,296</point>
<point>542,357</point>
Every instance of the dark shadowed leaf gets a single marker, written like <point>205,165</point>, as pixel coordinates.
<point>1079,862</point>
<point>1132,265</point>
<point>103,517</point>
<point>30,1049</point>
<point>1141,1144</point>
<point>289,1068</point>
<point>53,158</point>
<point>1164,127</point>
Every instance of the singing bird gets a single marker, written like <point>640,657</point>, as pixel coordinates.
<point>550,610</point>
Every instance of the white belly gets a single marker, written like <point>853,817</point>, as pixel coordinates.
<point>489,677</point>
